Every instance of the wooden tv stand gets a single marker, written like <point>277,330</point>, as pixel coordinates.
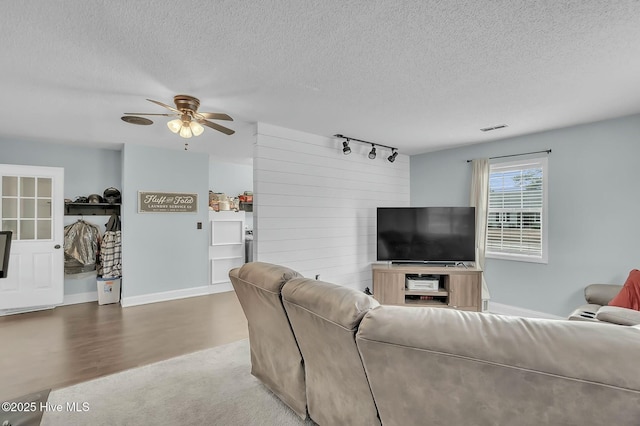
<point>459,287</point>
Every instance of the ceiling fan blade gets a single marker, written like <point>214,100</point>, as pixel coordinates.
<point>215,116</point>
<point>217,127</point>
<point>165,105</point>
<point>142,113</point>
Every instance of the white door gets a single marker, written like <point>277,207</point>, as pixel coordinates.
<point>32,207</point>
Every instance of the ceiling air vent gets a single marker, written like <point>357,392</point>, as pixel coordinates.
<point>499,126</point>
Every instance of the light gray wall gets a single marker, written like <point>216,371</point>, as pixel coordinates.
<point>231,178</point>
<point>86,171</point>
<point>315,208</point>
<point>593,210</point>
<point>163,252</point>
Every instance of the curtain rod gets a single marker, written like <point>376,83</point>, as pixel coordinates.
<point>548,151</point>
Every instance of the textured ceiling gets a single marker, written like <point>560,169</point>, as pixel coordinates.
<point>420,75</point>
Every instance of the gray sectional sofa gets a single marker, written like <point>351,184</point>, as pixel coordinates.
<point>335,355</point>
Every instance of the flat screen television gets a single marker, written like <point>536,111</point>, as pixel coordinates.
<point>426,234</point>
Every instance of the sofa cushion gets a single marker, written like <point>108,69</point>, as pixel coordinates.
<point>334,303</point>
<point>601,294</point>
<point>266,276</point>
<point>629,296</point>
<point>325,318</point>
<point>617,315</point>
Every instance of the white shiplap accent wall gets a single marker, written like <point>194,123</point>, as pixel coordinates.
<point>315,208</point>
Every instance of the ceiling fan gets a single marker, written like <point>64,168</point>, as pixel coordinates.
<point>188,121</point>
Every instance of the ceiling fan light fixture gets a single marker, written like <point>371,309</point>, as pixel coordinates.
<point>175,125</point>
<point>196,128</point>
<point>185,132</point>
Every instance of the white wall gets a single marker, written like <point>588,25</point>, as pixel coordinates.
<point>593,210</point>
<point>231,178</point>
<point>315,208</point>
<point>164,255</point>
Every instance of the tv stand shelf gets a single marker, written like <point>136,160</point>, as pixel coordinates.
<point>459,287</point>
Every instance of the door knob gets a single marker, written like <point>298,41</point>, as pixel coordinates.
<point>57,246</point>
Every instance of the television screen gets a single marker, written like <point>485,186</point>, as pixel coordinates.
<point>426,234</point>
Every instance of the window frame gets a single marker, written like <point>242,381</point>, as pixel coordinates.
<point>544,221</point>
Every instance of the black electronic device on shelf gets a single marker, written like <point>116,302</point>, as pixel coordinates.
<point>441,235</point>
<point>5,251</point>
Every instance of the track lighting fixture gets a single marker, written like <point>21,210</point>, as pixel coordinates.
<point>372,154</point>
<point>345,147</point>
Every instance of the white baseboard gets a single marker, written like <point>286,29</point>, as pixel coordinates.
<point>73,299</point>
<point>15,311</point>
<point>500,309</point>
<point>220,288</point>
<point>175,294</point>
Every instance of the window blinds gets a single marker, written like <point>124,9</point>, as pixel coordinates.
<point>515,224</point>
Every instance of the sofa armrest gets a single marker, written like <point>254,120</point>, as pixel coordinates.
<point>601,294</point>
<point>618,315</point>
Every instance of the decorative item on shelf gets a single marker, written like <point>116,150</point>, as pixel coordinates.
<point>95,199</point>
<point>218,201</point>
<point>234,204</point>
<point>112,195</point>
<point>244,198</point>
<point>246,201</point>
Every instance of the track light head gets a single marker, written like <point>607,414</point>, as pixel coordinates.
<point>345,147</point>
<point>393,156</point>
<point>372,153</point>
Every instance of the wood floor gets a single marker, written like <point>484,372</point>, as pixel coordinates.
<point>71,344</point>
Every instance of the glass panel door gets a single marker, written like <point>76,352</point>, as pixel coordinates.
<point>26,207</point>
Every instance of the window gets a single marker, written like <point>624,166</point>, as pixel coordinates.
<point>517,214</point>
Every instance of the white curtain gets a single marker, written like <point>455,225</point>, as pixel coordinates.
<point>480,200</point>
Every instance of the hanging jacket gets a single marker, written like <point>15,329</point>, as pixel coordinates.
<point>81,247</point>
<point>111,249</point>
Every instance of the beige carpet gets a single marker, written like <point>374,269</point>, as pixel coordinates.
<point>209,387</point>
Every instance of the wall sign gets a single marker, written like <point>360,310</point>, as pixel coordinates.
<point>167,202</point>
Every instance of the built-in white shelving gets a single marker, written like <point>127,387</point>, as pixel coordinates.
<point>226,249</point>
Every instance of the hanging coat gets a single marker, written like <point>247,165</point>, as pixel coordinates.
<point>111,249</point>
<point>81,247</point>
